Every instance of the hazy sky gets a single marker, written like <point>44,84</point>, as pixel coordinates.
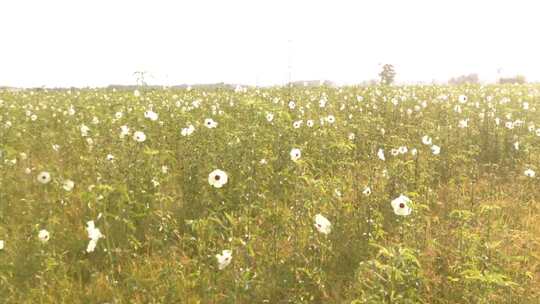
<point>101,42</point>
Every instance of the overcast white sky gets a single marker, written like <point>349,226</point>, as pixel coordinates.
<point>101,42</point>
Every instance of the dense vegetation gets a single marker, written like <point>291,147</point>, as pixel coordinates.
<point>416,194</point>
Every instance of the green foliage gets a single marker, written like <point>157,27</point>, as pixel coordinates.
<point>392,276</point>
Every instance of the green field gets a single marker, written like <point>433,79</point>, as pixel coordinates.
<point>381,194</point>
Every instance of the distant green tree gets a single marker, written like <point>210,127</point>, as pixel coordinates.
<point>387,74</point>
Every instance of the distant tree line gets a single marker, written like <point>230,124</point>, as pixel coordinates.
<point>464,79</point>
<point>518,79</point>
<point>474,79</point>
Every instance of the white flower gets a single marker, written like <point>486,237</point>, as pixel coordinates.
<point>164,169</point>
<point>263,161</point>
<point>68,185</point>
<point>56,147</point>
<point>462,99</point>
<point>224,259</point>
<point>330,119</point>
<point>516,145</point>
<point>94,234</point>
<point>435,149</point>
<point>530,173</point>
<point>110,157</point>
<point>118,115</point>
<point>380,154</point>
<point>43,236</point>
<point>367,191</point>
<point>269,117</point>
<point>91,246</point>
<point>426,140</point>
<point>210,123</point>
<point>295,154</point>
<point>403,150</point>
<point>188,131</point>
<point>139,136</point>
<point>310,123</point>
<point>401,205</point>
<point>2,244</point>
<point>184,132</point>
<point>352,136</point>
<point>322,224</point>
<point>124,131</point>
<point>394,152</point>
<point>297,124</point>
<point>464,123</point>
<point>136,93</point>
<point>84,130</point>
<point>414,151</point>
<point>217,178</point>
<point>44,177</point>
<point>292,105</point>
<point>153,116</point>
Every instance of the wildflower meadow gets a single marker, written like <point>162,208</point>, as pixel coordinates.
<point>290,194</point>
